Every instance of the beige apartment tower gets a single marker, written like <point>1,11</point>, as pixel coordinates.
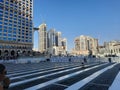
<point>42,38</point>
<point>85,45</point>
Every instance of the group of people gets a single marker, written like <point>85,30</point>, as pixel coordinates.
<point>4,80</point>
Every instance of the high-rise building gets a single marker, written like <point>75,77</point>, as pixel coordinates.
<point>56,45</point>
<point>52,38</point>
<point>64,46</point>
<point>86,45</point>
<point>16,27</point>
<point>58,38</point>
<point>42,40</point>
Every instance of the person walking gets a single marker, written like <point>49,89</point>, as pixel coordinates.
<point>85,60</point>
<point>82,64</point>
<point>4,80</point>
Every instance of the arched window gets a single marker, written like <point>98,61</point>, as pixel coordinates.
<point>12,53</point>
<point>0,52</point>
<point>6,52</point>
<point>111,51</point>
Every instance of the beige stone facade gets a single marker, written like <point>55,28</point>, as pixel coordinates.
<point>85,45</point>
<point>9,50</point>
<point>42,38</point>
<point>112,48</point>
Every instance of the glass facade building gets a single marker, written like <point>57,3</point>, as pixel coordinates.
<point>16,27</point>
<point>56,45</point>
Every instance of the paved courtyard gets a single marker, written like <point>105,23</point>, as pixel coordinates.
<point>62,75</point>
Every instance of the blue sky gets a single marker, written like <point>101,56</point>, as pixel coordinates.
<point>96,18</point>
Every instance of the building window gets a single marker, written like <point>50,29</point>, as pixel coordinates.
<point>1,0</point>
<point>5,39</point>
